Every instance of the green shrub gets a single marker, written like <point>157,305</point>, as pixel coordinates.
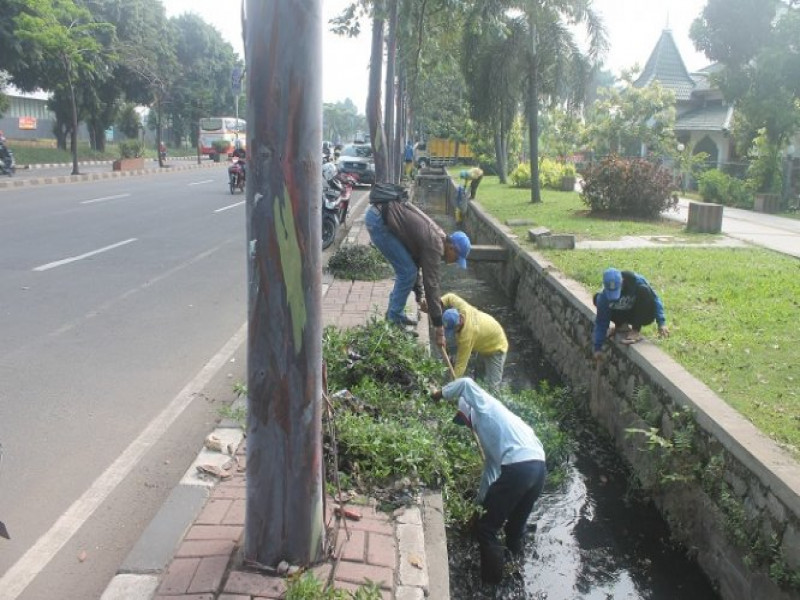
<point>550,174</point>
<point>221,146</point>
<point>521,176</point>
<point>130,149</point>
<point>721,188</point>
<point>630,187</point>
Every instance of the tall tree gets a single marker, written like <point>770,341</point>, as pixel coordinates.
<point>374,118</point>
<point>628,117</point>
<point>552,26</point>
<point>203,85</point>
<point>63,30</point>
<point>756,42</point>
<point>284,520</point>
<point>495,88</point>
<point>142,36</point>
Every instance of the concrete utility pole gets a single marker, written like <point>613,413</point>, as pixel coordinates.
<point>283,49</point>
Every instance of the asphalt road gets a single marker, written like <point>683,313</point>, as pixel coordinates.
<point>122,312</point>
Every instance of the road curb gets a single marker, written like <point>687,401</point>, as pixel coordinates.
<point>140,573</point>
<point>84,177</point>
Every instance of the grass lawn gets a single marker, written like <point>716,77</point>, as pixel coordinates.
<point>734,314</point>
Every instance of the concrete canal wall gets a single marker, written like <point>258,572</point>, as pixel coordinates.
<point>729,493</point>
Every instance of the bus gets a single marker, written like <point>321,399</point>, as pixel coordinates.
<point>229,129</point>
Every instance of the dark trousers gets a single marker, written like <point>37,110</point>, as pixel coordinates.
<point>508,505</point>
<point>643,311</point>
<point>473,186</point>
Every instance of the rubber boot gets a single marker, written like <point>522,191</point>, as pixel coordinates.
<point>493,558</point>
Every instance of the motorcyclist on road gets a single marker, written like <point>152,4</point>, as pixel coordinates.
<point>5,154</point>
<point>240,154</point>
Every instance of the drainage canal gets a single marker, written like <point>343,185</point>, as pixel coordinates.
<point>594,537</point>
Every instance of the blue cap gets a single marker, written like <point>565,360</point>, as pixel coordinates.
<point>612,284</point>
<point>462,245</point>
<point>450,319</point>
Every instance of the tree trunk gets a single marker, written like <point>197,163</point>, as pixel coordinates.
<point>533,119</point>
<point>400,123</point>
<point>389,96</point>
<point>284,507</point>
<point>374,97</point>
<point>74,136</point>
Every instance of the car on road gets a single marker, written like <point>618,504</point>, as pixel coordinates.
<point>357,159</point>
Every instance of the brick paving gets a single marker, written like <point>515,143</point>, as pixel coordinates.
<point>375,548</point>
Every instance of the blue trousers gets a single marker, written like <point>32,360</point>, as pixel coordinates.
<point>405,269</point>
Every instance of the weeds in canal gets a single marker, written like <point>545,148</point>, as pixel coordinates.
<point>391,439</point>
<point>385,437</point>
<point>676,461</point>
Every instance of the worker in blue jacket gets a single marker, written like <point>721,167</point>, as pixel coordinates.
<point>514,471</point>
<point>627,301</point>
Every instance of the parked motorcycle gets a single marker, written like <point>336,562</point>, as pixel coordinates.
<point>236,176</point>
<point>331,210</point>
<point>335,202</point>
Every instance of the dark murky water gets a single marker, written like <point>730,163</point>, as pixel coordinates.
<point>590,539</point>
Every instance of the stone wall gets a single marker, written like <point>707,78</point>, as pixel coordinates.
<point>730,494</point>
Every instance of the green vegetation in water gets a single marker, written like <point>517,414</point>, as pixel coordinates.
<point>359,262</point>
<point>392,439</point>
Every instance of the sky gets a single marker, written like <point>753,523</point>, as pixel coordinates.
<point>633,28</point>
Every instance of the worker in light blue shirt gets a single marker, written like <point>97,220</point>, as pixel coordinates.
<point>514,471</point>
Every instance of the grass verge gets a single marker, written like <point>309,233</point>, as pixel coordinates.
<point>734,314</point>
<point>33,155</point>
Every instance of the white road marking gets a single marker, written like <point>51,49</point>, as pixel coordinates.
<point>202,182</point>
<point>25,570</point>
<point>66,261</point>
<point>229,206</point>
<point>117,197</point>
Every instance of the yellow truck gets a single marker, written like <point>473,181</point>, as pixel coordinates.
<point>437,152</point>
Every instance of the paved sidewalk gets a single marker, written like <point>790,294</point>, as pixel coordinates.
<point>191,548</point>
<point>777,233</point>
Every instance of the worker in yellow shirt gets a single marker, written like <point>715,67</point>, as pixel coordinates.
<point>473,176</point>
<point>476,332</point>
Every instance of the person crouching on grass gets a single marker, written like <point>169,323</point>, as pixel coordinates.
<point>628,301</point>
<point>514,471</point>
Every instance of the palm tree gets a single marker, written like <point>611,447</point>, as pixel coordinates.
<point>554,53</point>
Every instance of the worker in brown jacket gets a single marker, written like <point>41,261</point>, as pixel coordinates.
<point>411,241</point>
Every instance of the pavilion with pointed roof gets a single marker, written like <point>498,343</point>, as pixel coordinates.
<point>703,120</point>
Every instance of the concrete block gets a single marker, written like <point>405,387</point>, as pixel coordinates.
<point>518,222</point>
<point>131,587</point>
<point>704,217</point>
<point>557,242</point>
<point>487,253</point>
<point>537,232</point>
